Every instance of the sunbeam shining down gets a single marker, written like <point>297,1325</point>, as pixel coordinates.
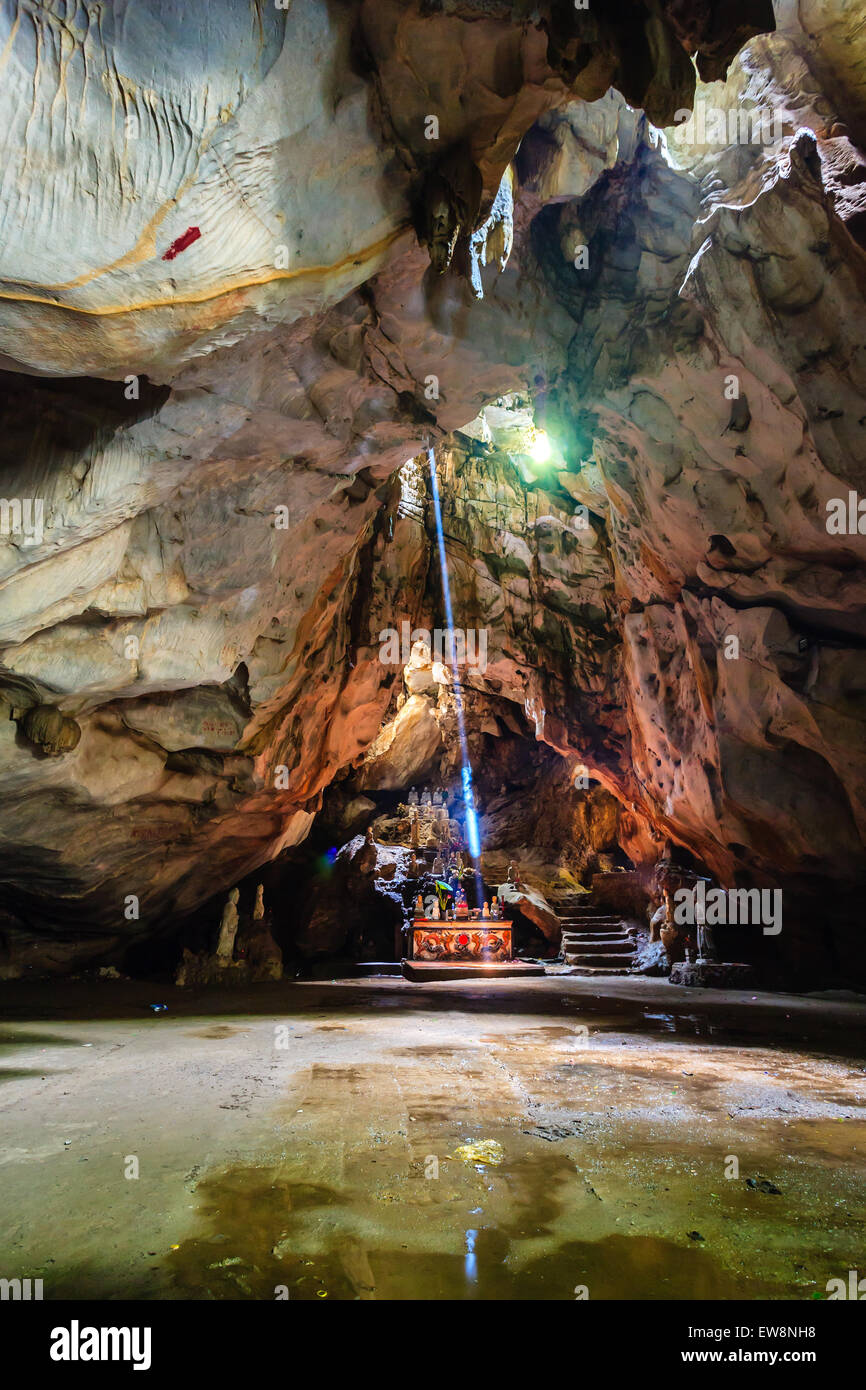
<point>472,836</point>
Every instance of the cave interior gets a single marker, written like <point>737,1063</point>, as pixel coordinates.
<point>432,649</point>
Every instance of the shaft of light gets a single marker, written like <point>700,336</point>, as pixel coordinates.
<point>472,835</point>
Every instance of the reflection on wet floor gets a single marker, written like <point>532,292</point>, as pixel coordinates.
<point>267,1240</point>
<point>632,1150</point>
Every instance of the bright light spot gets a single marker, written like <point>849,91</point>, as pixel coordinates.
<point>539,449</point>
<point>473,837</point>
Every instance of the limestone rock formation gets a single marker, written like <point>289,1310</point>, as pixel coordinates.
<point>221,342</point>
<point>531,904</point>
<point>49,730</point>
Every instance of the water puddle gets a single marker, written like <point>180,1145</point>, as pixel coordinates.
<point>269,1237</point>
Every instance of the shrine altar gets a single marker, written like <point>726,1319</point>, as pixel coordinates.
<point>470,942</point>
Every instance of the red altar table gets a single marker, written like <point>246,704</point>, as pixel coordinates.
<point>470,942</point>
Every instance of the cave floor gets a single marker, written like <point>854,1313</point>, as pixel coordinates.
<point>327,1166</point>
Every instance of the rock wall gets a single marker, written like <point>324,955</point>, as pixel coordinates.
<point>222,342</point>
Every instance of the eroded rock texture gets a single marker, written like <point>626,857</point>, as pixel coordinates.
<point>222,340</point>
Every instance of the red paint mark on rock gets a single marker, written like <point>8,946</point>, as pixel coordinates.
<point>190,235</point>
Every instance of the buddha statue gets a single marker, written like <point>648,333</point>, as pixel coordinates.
<point>426,799</point>
<point>413,797</point>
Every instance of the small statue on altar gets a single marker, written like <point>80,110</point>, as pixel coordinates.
<point>426,799</point>
<point>485,912</point>
<point>419,906</point>
<point>436,913</point>
<point>413,797</point>
<point>495,912</point>
<point>438,868</point>
<point>259,908</point>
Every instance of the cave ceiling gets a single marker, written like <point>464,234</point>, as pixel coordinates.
<point>223,334</point>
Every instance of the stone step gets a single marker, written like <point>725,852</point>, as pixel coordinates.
<point>589,917</point>
<point>595,931</point>
<point>588,923</point>
<point>598,948</point>
<point>602,958</point>
<point>585,912</point>
<point>582,906</point>
<point>575,940</point>
<point>596,970</point>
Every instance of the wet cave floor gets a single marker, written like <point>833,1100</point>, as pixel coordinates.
<point>299,1140</point>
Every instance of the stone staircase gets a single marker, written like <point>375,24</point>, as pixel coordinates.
<point>594,942</point>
